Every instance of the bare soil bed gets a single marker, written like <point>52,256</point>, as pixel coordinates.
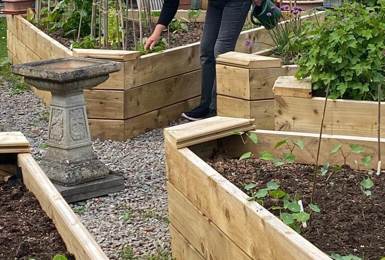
<point>25,230</point>
<point>350,223</point>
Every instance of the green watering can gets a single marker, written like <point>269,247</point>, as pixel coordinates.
<point>267,14</point>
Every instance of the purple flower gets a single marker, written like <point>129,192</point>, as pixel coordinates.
<point>285,8</point>
<point>249,43</point>
<point>268,14</point>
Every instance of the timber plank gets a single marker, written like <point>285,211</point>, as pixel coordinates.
<point>342,116</point>
<point>152,96</point>
<point>250,61</point>
<point>13,142</point>
<point>206,130</point>
<point>77,239</point>
<point>105,104</point>
<point>249,84</point>
<point>200,232</point>
<point>181,248</point>
<point>119,55</point>
<point>107,129</point>
<point>291,87</point>
<point>260,110</point>
<point>254,229</point>
<point>267,140</point>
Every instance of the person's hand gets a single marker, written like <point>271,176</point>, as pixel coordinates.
<point>154,38</point>
<point>258,2</point>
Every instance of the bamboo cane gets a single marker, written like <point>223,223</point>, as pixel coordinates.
<point>133,24</point>
<point>93,19</point>
<point>379,131</point>
<point>140,21</point>
<point>105,23</point>
<point>122,24</point>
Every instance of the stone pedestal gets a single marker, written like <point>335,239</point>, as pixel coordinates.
<point>70,161</point>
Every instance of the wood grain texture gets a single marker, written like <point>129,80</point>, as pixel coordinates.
<point>344,117</point>
<point>117,55</point>
<point>262,111</point>
<point>77,239</point>
<point>255,230</point>
<point>181,248</point>
<point>289,86</point>
<point>105,104</point>
<point>199,231</point>
<point>268,139</point>
<point>13,142</point>
<point>250,61</point>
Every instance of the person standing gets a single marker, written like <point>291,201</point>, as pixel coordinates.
<point>223,24</point>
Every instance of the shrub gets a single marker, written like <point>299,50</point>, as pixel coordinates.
<point>346,52</point>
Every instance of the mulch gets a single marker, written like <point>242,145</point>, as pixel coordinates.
<point>349,223</point>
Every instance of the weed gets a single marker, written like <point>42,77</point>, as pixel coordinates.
<point>127,215</point>
<point>79,209</point>
<point>127,253</point>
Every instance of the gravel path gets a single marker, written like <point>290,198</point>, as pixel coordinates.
<point>131,222</point>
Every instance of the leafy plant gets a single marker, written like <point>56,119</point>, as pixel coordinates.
<point>290,209</point>
<point>366,186</point>
<point>59,257</point>
<point>344,257</point>
<point>346,52</point>
<point>193,15</point>
<point>159,47</point>
<point>366,160</point>
<point>127,215</point>
<point>287,155</point>
<point>178,25</point>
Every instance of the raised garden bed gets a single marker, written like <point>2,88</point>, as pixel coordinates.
<point>150,90</point>
<point>297,110</point>
<point>40,231</point>
<point>212,218</point>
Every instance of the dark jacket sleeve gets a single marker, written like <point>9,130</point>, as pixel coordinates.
<point>168,11</point>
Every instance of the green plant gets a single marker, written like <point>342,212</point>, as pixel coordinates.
<point>161,254</point>
<point>366,186</point>
<point>127,215</point>
<point>127,253</point>
<point>291,210</point>
<point>88,42</point>
<point>366,159</point>
<point>59,257</point>
<point>346,52</point>
<point>287,155</point>
<point>159,47</point>
<point>178,25</point>
<point>79,209</point>
<point>344,257</point>
<point>193,15</point>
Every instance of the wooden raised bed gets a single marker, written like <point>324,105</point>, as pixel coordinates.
<point>77,239</point>
<point>210,217</point>
<point>149,91</point>
<point>297,110</point>
<point>244,86</point>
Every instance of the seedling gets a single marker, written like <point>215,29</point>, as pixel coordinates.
<point>127,215</point>
<point>59,257</point>
<point>366,160</point>
<point>287,155</point>
<point>366,186</point>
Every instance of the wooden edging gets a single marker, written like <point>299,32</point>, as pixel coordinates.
<point>212,219</point>
<point>77,239</point>
<point>13,142</point>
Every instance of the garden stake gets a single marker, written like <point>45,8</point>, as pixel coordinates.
<point>133,23</point>
<point>93,19</point>
<point>304,225</point>
<point>379,131</point>
<point>122,24</point>
<point>319,144</point>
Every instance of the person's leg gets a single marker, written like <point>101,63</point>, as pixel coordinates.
<point>209,37</point>
<point>233,19</point>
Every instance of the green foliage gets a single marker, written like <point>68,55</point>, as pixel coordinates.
<point>346,52</point>
<point>16,83</point>
<point>366,159</point>
<point>127,253</point>
<point>366,186</point>
<point>87,42</point>
<point>193,15</point>
<point>177,25</point>
<point>344,257</point>
<point>159,47</point>
<point>246,155</point>
<point>59,257</point>
<point>127,215</point>
<point>287,155</point>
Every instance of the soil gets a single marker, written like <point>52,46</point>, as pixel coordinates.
<point>178,38</point>
<point>349,223</point>
<point>25,231</point>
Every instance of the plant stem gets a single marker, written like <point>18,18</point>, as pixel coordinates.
<point>319,145</point>
<point>379,131</point>
<point>93,18</point>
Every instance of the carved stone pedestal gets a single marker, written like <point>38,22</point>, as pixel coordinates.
<point>70,161</point>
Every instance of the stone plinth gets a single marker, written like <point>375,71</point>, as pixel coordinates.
<point>70,161</point>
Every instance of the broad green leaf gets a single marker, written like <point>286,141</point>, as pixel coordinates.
<point>301,216</point>
<point>277,194</point>
<point>367,161</point>
<point>245,156</point>
<point>336,148</point>
<point>367,184</point>
<point>272,185</point>
<point>253,137</point>
<point>266,156</point>
<point>262,193</point>
<point>278,162</point>
<point>250,186</point>
<point>356,148</point>
<point>325,169</point>
<point>293,206</point>
<point>300,144</point>
<point>59,257</point>
<point>314,207</point>
<point>286,218</point>
<point>280,143</point>
<point>289,157</point>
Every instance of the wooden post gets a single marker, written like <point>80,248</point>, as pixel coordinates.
<point>244,87</point>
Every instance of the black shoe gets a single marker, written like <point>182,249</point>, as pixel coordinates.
<point>197,113</point>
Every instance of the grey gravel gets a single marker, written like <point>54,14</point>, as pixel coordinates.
<point>135,218</point>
